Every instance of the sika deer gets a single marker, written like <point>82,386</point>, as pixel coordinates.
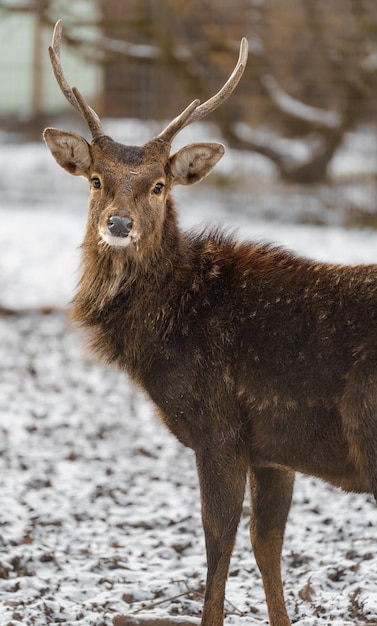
<point>262,362</point>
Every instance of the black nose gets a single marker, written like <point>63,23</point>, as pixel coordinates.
<point>119,226</point>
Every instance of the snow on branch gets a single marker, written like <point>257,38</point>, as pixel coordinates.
<point>290,152</point>
<point>298,110</point>
<point>137,51</point>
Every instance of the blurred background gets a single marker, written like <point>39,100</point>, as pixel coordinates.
<point>300,129</point>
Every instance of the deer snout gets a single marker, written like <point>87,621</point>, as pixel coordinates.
<point>119,226</point>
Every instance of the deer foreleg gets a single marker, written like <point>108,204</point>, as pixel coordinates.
<point>271,495</point>
<point>222,479</point>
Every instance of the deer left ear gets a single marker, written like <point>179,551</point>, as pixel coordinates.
<point>194,162</point>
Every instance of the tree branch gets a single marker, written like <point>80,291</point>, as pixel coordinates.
<point>316,118</point>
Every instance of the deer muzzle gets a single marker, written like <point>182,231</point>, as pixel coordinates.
<point>119,226</point>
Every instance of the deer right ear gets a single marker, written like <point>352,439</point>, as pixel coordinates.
<point>70,151</point>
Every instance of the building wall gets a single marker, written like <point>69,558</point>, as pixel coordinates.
<point>28,85</point>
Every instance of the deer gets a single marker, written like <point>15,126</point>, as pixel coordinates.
<point>263,362</point>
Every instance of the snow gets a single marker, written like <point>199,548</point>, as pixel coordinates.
<point>100,511</point>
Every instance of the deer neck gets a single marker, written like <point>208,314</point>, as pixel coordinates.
<point>110,272</point>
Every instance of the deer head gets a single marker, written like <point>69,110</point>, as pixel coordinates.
<point>129,185</point>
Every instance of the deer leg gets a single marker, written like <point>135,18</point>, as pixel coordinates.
<point>271,495</point>
<point>222,479</point>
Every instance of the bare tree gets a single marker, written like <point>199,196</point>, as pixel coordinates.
<point>344,56</point>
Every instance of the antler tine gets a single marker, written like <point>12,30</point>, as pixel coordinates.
<point>195,113</point>
<point>71,94</point>
<point>90,116</point>
<point>179,122</point>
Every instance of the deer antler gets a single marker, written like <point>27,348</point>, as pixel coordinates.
<point>196,111</point>
<point>72,94</point>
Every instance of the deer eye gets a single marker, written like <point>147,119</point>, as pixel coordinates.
<point>96,182</point>
<point>157,189</point>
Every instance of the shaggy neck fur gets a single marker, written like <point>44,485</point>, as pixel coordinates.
<point>109,272</point>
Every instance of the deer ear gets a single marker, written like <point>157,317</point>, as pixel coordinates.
<point>194,162</point>
<point>70,151</point>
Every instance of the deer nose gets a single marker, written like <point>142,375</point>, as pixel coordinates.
<point>119,226</point>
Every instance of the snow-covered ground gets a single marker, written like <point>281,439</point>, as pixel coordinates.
<point>99,510</point>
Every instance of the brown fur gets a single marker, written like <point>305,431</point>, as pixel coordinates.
<point>262,362</point>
